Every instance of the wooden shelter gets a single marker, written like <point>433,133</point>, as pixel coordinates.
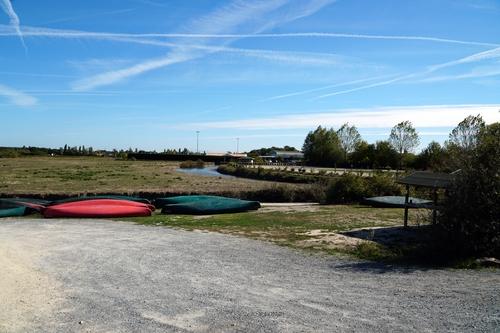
<point>426,179</point>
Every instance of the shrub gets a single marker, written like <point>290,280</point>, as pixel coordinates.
<point>199,164</point>
<point>9,153</point>
<point>350,188</point>
<point>470,218</point>
<point>346,189</point>
<point>381,184</point>
<point>287,193</point>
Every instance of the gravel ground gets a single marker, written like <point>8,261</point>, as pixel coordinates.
<point>102,276</point>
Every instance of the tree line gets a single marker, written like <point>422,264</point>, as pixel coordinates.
<point>67,150</point>
<point>346,148</point>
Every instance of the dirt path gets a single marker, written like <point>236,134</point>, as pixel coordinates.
<point>27,295</point>
<point>104,276</point>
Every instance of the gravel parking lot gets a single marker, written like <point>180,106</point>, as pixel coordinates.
<point>105,276</point>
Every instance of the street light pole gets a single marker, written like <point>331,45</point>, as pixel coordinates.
<point>197,141</point>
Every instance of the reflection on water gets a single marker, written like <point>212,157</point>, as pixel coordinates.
<point>207,171</point>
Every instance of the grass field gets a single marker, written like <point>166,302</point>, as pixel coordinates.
<point>316,228</point>
<point>312,227</point>
<point>76,175</point>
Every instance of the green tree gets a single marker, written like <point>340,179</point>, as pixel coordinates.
<point>363,155</point>
<point>433,157</point>
<point>404,139</point>
<point>349,138</point>
<point>463,140</point>
<point>385,156</point>
<point>322,147</point>
<point>466,134</point>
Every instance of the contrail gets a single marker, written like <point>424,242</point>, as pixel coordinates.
<point>226,18</point>
<point>485,55</point>
<point>43,32</point>
<point>372,85</point>
<point>14,20</point>
<point>303,92</point>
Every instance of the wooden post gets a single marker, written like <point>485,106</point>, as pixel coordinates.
<point>434,208</point>
<point>406,205</point>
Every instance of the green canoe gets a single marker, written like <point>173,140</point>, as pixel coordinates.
<point>181,199</point>
<point>205,205</point>
<point>92,197</point>
<point>15,211</point>
<point>25,201</point>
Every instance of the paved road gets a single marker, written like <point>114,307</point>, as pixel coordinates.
<point>103,276</point>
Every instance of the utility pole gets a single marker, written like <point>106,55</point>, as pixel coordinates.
<point>237,145</point>
<point>197,141</point>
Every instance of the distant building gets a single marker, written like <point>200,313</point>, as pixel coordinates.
<point>228,154</point>
<point>283,156</point>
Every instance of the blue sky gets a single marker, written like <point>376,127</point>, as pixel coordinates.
<point>150,73</point>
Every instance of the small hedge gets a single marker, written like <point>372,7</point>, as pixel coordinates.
<point>199,164</point>
<point>350,188</point>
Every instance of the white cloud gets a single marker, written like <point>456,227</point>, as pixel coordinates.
<point>429,116</point>
<point>17,97</point>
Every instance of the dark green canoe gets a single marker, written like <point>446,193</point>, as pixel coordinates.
<point>92,197</point>
<point>15,211</point>
<point>25,201</point>
<point>205,205</point>
<point>181,199</point>
<point>396,202</point>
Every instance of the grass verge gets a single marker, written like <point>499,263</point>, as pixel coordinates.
<point>316,228</point>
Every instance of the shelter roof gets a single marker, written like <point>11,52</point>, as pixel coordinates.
<point>427,179</point>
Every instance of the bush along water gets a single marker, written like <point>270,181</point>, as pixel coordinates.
<point>348,188</point>
<point>198,164</point>
<point>272,175</point>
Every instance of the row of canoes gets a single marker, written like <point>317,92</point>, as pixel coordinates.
<point>124,206</point>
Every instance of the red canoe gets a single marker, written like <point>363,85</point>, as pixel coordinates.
<point>104,202</point>
<point>99,208</point>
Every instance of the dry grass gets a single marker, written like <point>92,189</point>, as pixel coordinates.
<point>76,175</point>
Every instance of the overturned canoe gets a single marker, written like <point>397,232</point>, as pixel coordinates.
<point>94,197</point>
<point>15,211</point>
<point>103,208</point>
<point>206,205</point>
<point>31,205</point>
<point>396,202</point>
<point>181,199</point>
